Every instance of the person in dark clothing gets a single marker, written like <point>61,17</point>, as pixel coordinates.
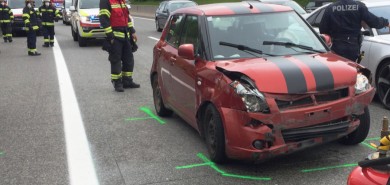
<point>120,43</point>
<point>342,20</point>
<point>48,14</point>
<point>31,22</point>
<point>6,18</point>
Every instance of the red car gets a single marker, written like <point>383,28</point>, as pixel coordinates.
<point>256,81</point>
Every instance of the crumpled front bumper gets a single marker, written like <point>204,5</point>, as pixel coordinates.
<point>337,119</point>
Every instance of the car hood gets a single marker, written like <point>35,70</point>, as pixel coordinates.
<point>295,74</point>
<point>384,38</point>
<point>17,11</point>
<point>89,12</point>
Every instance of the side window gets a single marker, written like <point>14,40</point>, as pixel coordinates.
<point>319,18</point>
<point>311,19</point>
<point>173,34</point>
<point>190,33</point>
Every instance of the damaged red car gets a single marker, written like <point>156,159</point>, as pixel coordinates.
<point>256,81</point>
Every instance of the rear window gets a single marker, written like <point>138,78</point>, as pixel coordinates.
<point>88,4</point>
<point>175,6</point>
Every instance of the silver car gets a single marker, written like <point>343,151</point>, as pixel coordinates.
<point>376,47</point>
<point>66,12</point>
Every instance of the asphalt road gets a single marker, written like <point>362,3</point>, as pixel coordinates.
<point>51,133</point>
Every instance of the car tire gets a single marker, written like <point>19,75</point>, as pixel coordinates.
<point>158,26</point>
<point>383,85</point>
<point>360,134</point>
<point>74,35</point>
<point>158,100</point>
<point>214,134</point>
<point>82,41</point>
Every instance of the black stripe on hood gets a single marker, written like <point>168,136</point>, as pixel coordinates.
<point>293,75</point>
<point>322,74</point>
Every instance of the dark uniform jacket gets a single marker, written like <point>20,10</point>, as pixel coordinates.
<point>48,15</point>
<point>343,18</point>
<point>6,15</point>
<point>106,15</point>
<point>30,17</point>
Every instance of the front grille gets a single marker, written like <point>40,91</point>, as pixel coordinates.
<point>311,99</point>
<point>321,130</point>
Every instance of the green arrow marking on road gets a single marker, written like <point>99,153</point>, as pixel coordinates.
<point>151,114</point>
<point>207,162</point>
<point>329,167</point>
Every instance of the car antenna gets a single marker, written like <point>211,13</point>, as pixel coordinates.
<point>250,5</point>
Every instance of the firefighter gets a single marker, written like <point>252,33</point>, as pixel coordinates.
<point>342,21</point>
<point>30,17</point>
<point>115,19</point>
<point>48,14</point>
<point>6,18</point>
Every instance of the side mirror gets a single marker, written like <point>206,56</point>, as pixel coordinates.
<point>128,6</point>
<point>187,51</point>
<point>366,33</point>
<point>326,38</point>
<point>165,11</point>
<point>72,8</point>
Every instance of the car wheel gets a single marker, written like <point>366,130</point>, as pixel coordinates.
<point>82,41</point>
<point>74,35</point>
<point>383,84</point>
<point>158,101</point>
<point>158,26</point>
<point>361,132</point>
<point>214,134</point>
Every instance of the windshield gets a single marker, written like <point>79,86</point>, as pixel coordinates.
<point>175,6</point>
<point>382,11</point>
<point>68,3</point>
<point>256,29</point>
<point>88,4</point>
<point>21,3</point>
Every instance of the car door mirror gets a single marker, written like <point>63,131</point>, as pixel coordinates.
<point>72,8</point>
<point>366,33</point>
<point>128,6</point>
<point>326,38</point>
<point>165,11</point>
<point>187,51</point>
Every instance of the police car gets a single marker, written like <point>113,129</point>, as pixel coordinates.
<point>376,46</point>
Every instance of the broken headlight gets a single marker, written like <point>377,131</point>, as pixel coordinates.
<point>253,100</point>
<point>362,84</point>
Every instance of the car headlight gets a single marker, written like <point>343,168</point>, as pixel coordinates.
<point>84,18</point>
<point>253,100</point>
<point>362,84</point>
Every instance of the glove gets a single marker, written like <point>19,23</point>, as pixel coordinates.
<point>134,46</point>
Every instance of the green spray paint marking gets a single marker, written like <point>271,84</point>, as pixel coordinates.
<point>373,138</point>
<point>329,167</point>
<point>1,153</point>
<point>136,119</point>
<point>207,162</point>
<point>368,145</point>
<point>150,113</point>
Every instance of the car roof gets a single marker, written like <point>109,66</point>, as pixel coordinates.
<point>236,8</point>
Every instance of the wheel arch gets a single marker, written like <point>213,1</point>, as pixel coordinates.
<point>380,65</point>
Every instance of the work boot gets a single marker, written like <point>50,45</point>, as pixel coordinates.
<point>118,85</point>
<point>46,45</point>
<point>5,39</point>
<point>33,53</point>
<point>9,39</point>
<point>51,44</point>
<point>129,83</point>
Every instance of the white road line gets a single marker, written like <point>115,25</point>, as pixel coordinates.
<point>154,38</point>
<point>80,164</point>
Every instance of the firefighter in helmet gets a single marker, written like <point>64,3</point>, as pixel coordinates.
<point>30,17</point>
<point>120,43</point>
<point>6,18</point>
<point>48,14</point>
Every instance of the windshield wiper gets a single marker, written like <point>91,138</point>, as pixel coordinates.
<point>289,44</point>
<point>244,48</point>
